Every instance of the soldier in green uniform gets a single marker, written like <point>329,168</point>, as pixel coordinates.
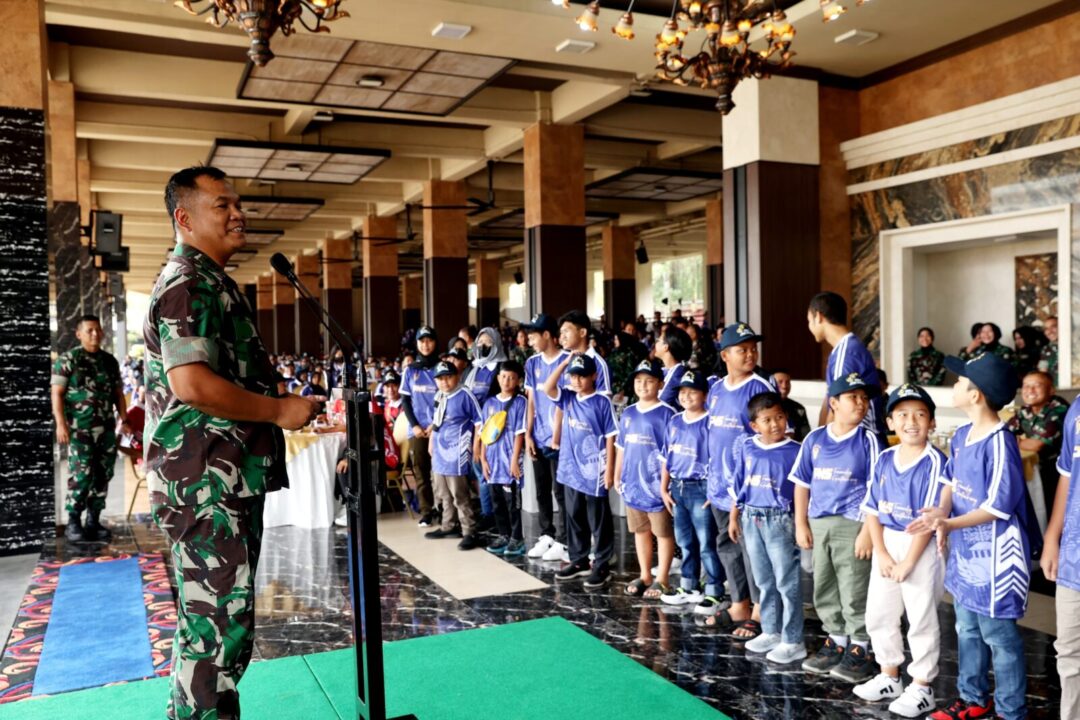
<point>1048,360</point>
<point>213,442</point>
<point>1039,425</point>
<point>986,339</point>
<point>86,386</point>
<point>926,365</point>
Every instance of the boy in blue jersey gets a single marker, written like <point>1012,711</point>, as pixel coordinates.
<point>831,476</point>
<point>500,445</point>
<point>673,348</point>
<point>762,520</point>
<point>574,330</point>
<point>588,442</point>
<point>906,573</point>
<point>639,452</point>
<point>540,446</point>
<point>827,320</point>
<point>418,403</point>
<point>985,511</point>
<point>456,418</point>
<point>1061,564</point>
<point>729,420</point>
<point>683,481</point>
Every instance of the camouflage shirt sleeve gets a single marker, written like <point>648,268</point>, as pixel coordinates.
<point>189,318</point>
<point>61,371</point>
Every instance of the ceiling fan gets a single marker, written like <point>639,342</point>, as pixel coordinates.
<point>474,205</point>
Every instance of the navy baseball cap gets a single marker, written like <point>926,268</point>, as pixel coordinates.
<point>582,365</point>
<point>541,322</point>
<point>737,333</point>
<point>694,380</point>
<point>995,378</point>
<point>652,368</point>
<point>852,381</point>
<point>909,391</point>
<point>391,378</point>
<point>426,331</point>
<point>444,368</point>
<point>458,354</point>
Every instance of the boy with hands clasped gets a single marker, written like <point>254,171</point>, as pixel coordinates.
<point>499,445</point>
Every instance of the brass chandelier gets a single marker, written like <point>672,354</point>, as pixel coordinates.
<point>260,19</point>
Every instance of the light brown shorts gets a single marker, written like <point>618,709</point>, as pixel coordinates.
<point>659,522</point>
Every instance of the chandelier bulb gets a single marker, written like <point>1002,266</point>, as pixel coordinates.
<point>587,21</point>
<point>831,10</point>
<point>625,27</point>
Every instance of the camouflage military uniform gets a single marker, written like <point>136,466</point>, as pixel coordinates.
<point>621,363</point>
<point>1047,425</point>
<point>1048,361</point>
<point>926,366</point>
<point>90,382</point>
<point>998,349</point>
<point>207,478</point>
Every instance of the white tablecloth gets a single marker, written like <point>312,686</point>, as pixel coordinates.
<point>309,500</point>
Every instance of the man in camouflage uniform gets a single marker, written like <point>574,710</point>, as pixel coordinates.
<point>86,385</point>
<point>1048,360</point>
<point>1039,425</point>
<point>926,364</point>
<point>213,443</point>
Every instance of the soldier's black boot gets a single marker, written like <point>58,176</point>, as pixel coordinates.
<point>94,530</point>
<point>74,530</point>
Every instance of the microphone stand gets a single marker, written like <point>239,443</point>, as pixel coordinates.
<point>360,499</point>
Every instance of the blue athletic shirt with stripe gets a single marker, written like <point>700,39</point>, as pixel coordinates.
<point>501,452</point>
<point>687,454</point>
<point>603,375</point>
<point>537,371</point>
<point>849,356</point>
<point>728,420</point>
<point>670,392</point>
<point>987,572</point>
<point>759,473</point>
<point>1069,554</point>
<point>836,470</point>
<point>457,415</point>
<point>897,492</point>
<point>419,385</point>
<point>643,440</point>
<point>588,420</point>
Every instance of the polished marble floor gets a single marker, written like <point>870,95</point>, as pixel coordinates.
<point>303,607</point>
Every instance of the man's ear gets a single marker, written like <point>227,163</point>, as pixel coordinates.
<point>182,218</point>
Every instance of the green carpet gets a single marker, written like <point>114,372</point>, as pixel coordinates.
<point>538,669</point>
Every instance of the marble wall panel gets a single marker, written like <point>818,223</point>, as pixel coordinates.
<point>1036,288</point>
<point>70,260</point>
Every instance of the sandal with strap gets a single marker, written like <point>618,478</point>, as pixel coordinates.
<point>749,625</point>
<point>636,589</point>
<point>656,590</point>
<point>723,621</point>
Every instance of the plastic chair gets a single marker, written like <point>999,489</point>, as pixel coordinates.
<point>140,477</point>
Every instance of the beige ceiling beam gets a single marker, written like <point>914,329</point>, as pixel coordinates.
<point>576,100</point>
<point>144,156</point>
<point>660,124</point>
<point>159,135</point>
<point>677,149</point>
<point>297,119</point>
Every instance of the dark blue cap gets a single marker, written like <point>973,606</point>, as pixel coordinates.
<point>852,381</point>
<point>426,331</point>
<point>458,354</point>
<point>541,322</point>
<point>391,377</point>
<point>652,368</point>
<point>695,380</point>
<point>909,391</point>
<point>737,333</point>
<point>444,368</point>
<point>995,378</point>
<point>582,365</point>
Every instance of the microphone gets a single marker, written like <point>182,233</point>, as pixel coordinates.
<point>281,263</point>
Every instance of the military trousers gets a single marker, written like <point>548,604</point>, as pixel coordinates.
<point>215,553</point>
<point>92,462</point>
<point>841,580</point>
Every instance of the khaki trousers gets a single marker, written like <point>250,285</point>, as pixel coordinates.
<point>840,579</point>
<point>452,491</point>
<point>1068,649</point>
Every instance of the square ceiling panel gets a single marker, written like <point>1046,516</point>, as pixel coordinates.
<point>262,207</point>
<point>290,161</point>
<point>369,76</point>
<point>242,256</point>
<point>263,238</point>
<point>665,185</point>
<point>515,220</point>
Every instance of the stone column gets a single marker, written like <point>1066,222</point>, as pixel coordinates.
<point>337,285</point>
<point>308,335</point>
<point>620,286</point>
<point>264,308</point>
<point>412,302</point>
<point>487,292</point>
<point>382,309</point>
<point>446,258</point>
<point>555,218</point>
<point>284,315</point>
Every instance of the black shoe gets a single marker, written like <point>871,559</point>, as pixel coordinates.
<point>597,579</point>
<point>469,542</point>
<point>829,656</point>
<point>439,533</point>
<point>574,570</point>
<point>856,667</point>
<point>94,530</point>
<point>427,519</point>
<point>74,530</point>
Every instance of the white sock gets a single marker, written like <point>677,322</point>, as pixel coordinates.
<point>840,640</point>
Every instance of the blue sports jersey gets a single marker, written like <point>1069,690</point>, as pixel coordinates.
<point>849,356</point>
<point>897,492</point>
<point>670,393</point>
<point>836,470</point>
<point>588,420</point>
<point>728,420</point>
<point>537,371</point>
<point>419,385</point>
<point>481,382</point>
<point>687,454</point>
<point>456,418</point>
<point>603,375</point>
<point>643,440</point>
<point>501,452</point>
<point>987,572</point>
<point>1069,553</point>
<point>758,473</point>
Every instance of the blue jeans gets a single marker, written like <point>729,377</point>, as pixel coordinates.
<point>769,537</point>
<point>487,507</point>
<point>695,532</point>
<point>980,638</point>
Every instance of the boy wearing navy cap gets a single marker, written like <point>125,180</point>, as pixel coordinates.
<point>418,403</point>
<point>831,476</point>
<point>456,418</point>
<point>639,452</point>
<point>683,482</point>
<point>588,443</point>
<point>906,573</point>
<point>985,511</point>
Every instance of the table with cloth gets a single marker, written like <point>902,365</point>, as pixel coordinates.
<point>310,459</point>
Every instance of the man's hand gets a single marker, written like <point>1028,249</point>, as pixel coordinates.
<point>1049,560</point>
<point>804,538</point>
<point>530,446</point>
<point>733,530</point>
<point>418,431</point>
<point>864,545</point>
<point>63,434</point>
<point>515,470</point>
<point>342,466</point>
<point>294,412</point>
<point>669,502</point>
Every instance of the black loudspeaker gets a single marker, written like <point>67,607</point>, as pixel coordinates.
<point>518,277</point>
<point>116,262</point>
<point>108,229</point>
<point>116,285</point>
<point>642,255</point>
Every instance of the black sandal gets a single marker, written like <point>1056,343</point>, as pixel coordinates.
<point>752,625</point>
<point>723,621</point>
<point>636,589</point>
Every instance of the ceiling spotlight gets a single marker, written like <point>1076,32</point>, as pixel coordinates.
<point>371,81</point>
<point>831,10</point>
<point>323,116</point>
<point>294,167</point>
<point>625,27</point>
<point>564,4</point>
<point>588,19</point>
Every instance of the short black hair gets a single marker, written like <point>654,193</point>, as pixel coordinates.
<point>88,318</point>
<point>763,401</point>
<point>184,181</point>
<point>512,366</point>
<point>831,306</point>
<point>976,329</point>
<point>926,329</point>
<point>679,343</point>
<point>578,318</point>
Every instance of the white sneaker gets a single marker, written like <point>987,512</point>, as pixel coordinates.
<point>878,688</point>
<point>916,701</point>
<point>342,518</point>
<point>763,643</point>
<point>566,554</point>
<point>681,596</point>
<point>785,653</point>
<point>542,545</point>
<point>555,552</point>
<point>675,569</point>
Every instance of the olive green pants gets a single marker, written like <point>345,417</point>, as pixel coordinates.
<point>840,579</point>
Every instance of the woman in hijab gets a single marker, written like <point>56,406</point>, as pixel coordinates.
<point>926,365</point>
<point>989,341</point>
<point>482,378</point>
<point>1029,343</point>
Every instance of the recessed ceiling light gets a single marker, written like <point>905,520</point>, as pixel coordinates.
<point>450,31</point>
<point>371,81</point>
<point>856,37</point>
<point>323,116</point>
<point>578,47</point>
